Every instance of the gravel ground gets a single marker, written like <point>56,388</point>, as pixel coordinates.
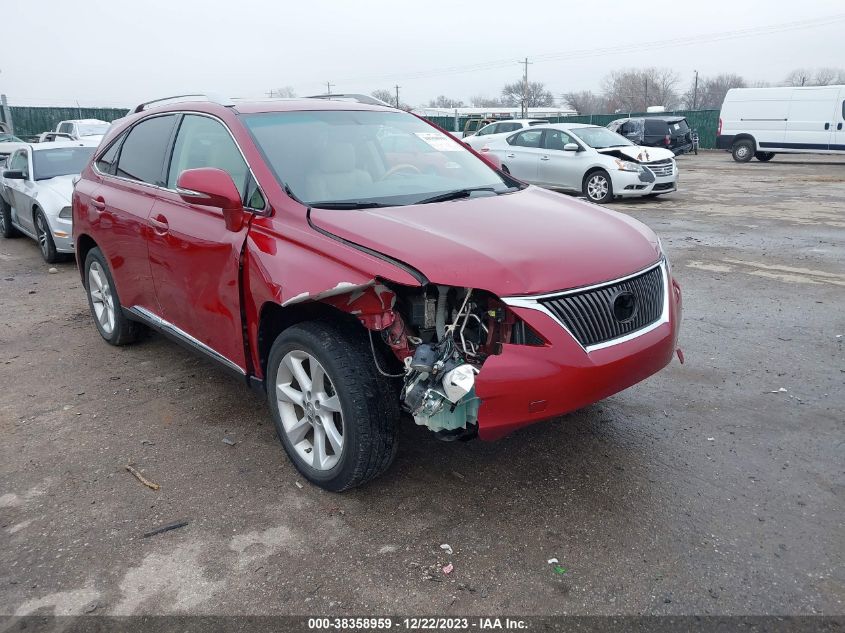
<point>715,487</point>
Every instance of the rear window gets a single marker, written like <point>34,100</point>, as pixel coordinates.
<point>533,123</point>
<point>679,127</point>
<point>656,126</point>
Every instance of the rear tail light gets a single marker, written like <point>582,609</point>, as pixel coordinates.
<point>667,140</point>
<point>719,129</point>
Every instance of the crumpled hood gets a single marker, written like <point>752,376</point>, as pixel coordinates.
<point>527,242</point>
<point>60,185</point>
<point>639,153</point>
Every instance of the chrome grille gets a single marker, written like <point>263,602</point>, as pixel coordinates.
<point>661,168</point>
<point>589,315</point>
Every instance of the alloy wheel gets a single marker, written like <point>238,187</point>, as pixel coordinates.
<point>310,410</point>
<point>742,151</point>
<point>101,297</point>
<point>597,187</point>
<point>41,233</point>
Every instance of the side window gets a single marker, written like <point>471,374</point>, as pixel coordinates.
<point>20,162</point>
<point>66,128</point>
<point>487,129</point>
<point>508,127</point>
<point>142,155</point>
<point>254,198</point>
<point>529,138</point>
<point>106,161</point>
<point>555,139</point>
<point>205,142</point>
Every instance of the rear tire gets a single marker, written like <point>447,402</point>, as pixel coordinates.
<point>764,157</point>
<point>597,187</point>
<point>743,151</point>
<point>104,302</point>
<point>335,415</point>
<point>6,228</point>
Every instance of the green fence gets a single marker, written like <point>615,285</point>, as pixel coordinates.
<point>31,121</point>
<point>705,121</point>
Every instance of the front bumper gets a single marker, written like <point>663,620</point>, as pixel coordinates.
<point>62,231</point>
<point>628,184</point>
<point>526,384</point>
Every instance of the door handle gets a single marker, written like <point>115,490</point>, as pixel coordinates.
<point>509,155</point>
<point>544,158</point>
<point>98,203</point>
<point>159,224</point>
<point>827,126</point>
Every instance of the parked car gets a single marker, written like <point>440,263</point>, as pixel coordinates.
<point>8,144</point>
<point>35,194</point>
<point>49,137</point>
<point>668,132</point>
<point>276,238</point>
<point>761,122</point>
<point>588,159</point>
<point>91,129</point>
<point>500,128</point>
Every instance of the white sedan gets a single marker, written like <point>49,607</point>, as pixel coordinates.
<point>35,193</point>
<point>586,158</point>
<point>499,129</point>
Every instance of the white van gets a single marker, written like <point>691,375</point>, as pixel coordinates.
<point>761,122</point>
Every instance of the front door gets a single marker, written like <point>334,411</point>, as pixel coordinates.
<point>523,154</point>
<point>558,167</point>
<point>22,191</point>
<point>837,143</point>
<point>194,258</point>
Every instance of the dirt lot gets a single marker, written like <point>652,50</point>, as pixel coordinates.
<point>697,491</point>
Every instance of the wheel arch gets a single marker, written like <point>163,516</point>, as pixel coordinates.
<point>84,243</point>
<point>745,136</point>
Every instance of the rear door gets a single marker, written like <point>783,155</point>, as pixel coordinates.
<point>133,172</point>
<point>522,157</point>
<point>195,259</point>
<point>557,167</point>
<point>810,125</point>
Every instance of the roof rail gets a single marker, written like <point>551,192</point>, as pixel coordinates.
<point>351,96</point>
<point>212,98</point>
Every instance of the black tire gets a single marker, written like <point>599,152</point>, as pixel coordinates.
<point>591,187</point>
<point>764,157</point>
<point>368,405</point>
<point>44,236</point>
<point>6,228</point>
<point>743,151</point>
<point>123,331</point>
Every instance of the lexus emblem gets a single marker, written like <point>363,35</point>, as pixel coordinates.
<point>624,306</point>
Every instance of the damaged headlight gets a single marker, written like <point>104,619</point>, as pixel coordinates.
<point>624,165</point>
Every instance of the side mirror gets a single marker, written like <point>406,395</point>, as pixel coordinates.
<point>212,187</point>
<point>14,174</point>
<point>571,147</point>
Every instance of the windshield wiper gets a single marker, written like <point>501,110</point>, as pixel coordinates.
<point>328,204</point>
<point>460,193</point>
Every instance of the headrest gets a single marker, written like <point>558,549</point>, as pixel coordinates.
<point>338,158</point>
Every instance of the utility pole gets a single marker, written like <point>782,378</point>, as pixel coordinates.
<point>329,88</point>
<point>525,88</point>
<point>695,91</point>
<point>397,95</point>
<point>646,95</point>
<point>7,114</point>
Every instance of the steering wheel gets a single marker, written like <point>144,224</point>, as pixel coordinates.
<point>399,168</point>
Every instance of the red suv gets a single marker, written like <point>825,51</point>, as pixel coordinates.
<point>291,242</point>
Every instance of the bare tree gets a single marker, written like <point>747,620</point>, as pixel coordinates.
<point>285,92</point>
<point>482,101</point>
<point>585,102</point>
<point>799,77</point>
<point>711,91</point>
<point>536,95</point>
<point>443,101</point>
<point>385,95</point>
<point>829,76</point>
<point>634,90</point>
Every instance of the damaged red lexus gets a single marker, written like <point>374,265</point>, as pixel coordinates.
<point>352,261</point>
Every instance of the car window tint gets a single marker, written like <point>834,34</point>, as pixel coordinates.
<point>106,162</point>
<point>555,139</point>
<point>254,198</point>
<point>142,154</point>
<point>654,126</point>
<point>507,127</point>
<point>530,138</point>
<point>20,162</point>
<point>490,129</point>
<point>205,142</point>
<point>66,128</point>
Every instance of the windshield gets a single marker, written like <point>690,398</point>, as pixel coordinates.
<point>62,161</point>
<point>375,158</point>
<point>8,138</point>
<point>599,137</point>
<point>92,129</point>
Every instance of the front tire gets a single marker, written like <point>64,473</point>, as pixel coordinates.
<point>45,238</point>
<point>104,302</point>
<point>335,415</point>
<point>743,151</point>
<point>597,187</point>
<point>6,228</point>
<point>764,157</point>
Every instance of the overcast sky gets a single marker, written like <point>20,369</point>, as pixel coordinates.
<point>118,53</point>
